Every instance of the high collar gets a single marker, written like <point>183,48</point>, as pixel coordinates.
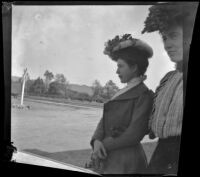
<point>135,80</point>
<point>132,83</point>
<point>132,93</point>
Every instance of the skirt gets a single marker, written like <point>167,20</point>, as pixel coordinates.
<point>130,160</point>
<point>165,157</point>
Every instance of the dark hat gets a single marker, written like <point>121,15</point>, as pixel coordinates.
<point>161,16</point>
<point>126,41</point>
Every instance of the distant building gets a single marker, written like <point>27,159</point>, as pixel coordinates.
<point>81,89</point>
<point>16,86</point>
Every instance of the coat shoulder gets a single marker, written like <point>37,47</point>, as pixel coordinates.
<point>147,96</point>
<point>148,92</point>
<point>167,76</point>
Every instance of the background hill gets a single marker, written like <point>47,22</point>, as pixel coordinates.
<point>15,78</point>
<point>16,87</point>
<point>81,89</point>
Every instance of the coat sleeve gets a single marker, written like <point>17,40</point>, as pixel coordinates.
<point>138,126</point>
<point>99,132</point>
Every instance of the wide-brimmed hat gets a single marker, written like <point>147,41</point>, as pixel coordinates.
<point>126,41</point>
<point>161,16</point>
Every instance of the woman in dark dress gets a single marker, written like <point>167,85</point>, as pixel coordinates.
<point>166,120</point>
<point>116,140</point>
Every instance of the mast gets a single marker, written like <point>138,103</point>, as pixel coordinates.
<point>23,85</point>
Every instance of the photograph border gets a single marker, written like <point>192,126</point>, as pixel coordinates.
<point>9,147</point>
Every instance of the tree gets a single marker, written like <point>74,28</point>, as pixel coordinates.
<point>83,97</point>
<point>59,85</point>
<point>57,88</point>
<point>97,90</point>
<point>60,78</point>
<point>38,86</point>
<point>48,77</point>
<point>109,89</point>
<point>62,84</point>
<point>28,85</point>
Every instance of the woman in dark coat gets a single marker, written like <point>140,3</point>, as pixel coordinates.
<point>166,120</point>
<point>116,140</point>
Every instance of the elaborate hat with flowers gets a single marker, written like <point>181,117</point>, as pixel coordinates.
<point>162,15</point>
<point>126,41</point>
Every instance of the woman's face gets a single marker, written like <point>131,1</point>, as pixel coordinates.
<point>173,43</point>
<point>124,71</point>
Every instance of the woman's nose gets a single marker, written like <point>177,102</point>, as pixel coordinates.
<point>117,71</point>
<point>168,44</point>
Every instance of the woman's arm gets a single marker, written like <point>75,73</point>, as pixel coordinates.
<point>162,83</point>
<point>138,126</point>
<point>98,134</point>
<point>98,150</point>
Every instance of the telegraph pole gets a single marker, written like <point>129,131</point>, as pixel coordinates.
<point>23,85</point>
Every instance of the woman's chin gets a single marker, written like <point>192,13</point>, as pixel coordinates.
<point>123,82</point>
<point>175,59</point>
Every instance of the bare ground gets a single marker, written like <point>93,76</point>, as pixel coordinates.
<point>58,132</point>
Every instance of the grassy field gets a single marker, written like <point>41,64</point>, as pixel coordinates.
<point>58,132</point>
<point>63,100</point>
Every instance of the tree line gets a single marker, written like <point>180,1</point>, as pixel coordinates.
<point>58,86</point>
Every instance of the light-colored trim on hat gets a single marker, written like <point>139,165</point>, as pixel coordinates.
<point>124,44</point>
<point>135,43</point>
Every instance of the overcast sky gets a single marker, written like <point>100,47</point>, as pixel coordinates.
<point>70,40</point>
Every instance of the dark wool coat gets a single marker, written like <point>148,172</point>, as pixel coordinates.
<point>125,119</point>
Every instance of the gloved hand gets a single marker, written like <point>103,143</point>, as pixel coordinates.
<point>95,164</point>
<point>99,150</point>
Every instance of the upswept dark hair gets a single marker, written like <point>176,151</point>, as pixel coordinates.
<point>133,56</point>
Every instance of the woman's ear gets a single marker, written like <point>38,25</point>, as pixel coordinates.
<point>134,68</point>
